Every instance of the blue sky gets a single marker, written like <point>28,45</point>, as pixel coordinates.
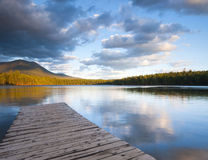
<point>106,39</point>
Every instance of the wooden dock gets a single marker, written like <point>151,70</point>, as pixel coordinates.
<point>55,131</point>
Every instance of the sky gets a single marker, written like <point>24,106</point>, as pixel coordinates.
<point>106,39</point>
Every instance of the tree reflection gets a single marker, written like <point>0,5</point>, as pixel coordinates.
<point>23,96</point>
<point>171,91</point>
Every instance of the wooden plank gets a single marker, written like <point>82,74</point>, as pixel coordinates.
<point>55,135</point>
<point>56,131</point>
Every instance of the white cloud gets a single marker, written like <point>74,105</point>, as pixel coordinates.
<point>173,38</point>
<point>69,57</point>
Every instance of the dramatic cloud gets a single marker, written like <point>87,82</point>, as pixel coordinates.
<point>62,12</point>
<point>146,43</point>
<point>52,30</point>
<point>119,61</point>
<point>146,36</point>
<point>83,28</point>
<point>149,26</point>
<point>46,31</point>
<point>181,6</point>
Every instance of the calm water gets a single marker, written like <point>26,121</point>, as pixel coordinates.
<point>168,123</point>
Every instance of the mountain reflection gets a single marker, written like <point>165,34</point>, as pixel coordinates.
<point>23,96</point>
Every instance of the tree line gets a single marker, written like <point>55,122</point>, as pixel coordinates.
<point>172,78</point>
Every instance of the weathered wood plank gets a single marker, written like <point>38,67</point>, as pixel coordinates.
<point>56,131</point>
<point>52,135</point>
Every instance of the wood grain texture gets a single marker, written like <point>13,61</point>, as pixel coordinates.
<point>56,131</point>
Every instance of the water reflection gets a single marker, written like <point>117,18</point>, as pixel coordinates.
<point>164,122</point>
<point>23,96</point>
<point>135,123</point>
<point>189,154</point>
<point>7,115</point>
<point>181,92</point>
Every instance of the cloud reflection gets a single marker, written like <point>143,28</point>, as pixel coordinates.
<point>140,124</point>
<point>134,120</point>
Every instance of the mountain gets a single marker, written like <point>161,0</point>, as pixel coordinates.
<point>29,68</point>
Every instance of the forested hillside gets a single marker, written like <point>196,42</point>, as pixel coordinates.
<point>172,78</point>
<point>17,78</point>
<point>29,68</point>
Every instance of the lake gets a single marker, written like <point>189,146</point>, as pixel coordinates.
<point>165,122</point>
